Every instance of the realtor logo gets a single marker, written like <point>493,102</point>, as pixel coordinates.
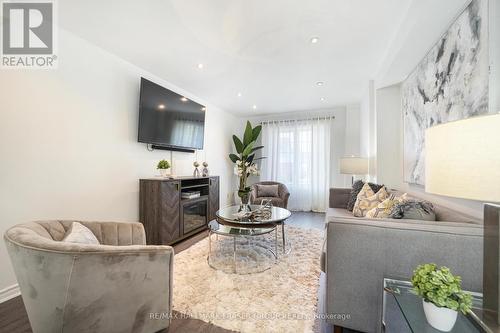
<point>28,35</point>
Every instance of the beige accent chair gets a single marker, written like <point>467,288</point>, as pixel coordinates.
<point>119,286</point>
<point>280,201</point>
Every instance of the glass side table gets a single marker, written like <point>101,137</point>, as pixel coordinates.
<point>409,305</point>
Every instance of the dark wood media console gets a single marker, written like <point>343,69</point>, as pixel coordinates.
<point>167,217</point>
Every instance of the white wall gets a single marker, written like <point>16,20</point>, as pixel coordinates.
<point>69,145</point>
<point>338,139</point>
<point>388,115</point>
<point>368,128</point>
<point>352,130</point>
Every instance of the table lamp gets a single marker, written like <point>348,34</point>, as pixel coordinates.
<point>353,166</point>
<point>463,160</point>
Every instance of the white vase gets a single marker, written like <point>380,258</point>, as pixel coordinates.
<point>442,319</point>
<point>163,172</point>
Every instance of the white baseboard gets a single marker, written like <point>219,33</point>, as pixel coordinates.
<point>9,292</point>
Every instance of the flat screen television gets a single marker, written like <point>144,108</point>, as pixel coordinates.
<point>169,120</point>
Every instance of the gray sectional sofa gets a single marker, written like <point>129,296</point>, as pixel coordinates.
<point>360,252</point>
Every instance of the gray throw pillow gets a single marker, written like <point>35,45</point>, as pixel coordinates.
<point>267,190</point>
<point>356,188</point>
<point>414,210</point>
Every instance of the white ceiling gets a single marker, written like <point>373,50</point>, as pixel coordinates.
<point>260,48</point>
<point>425,23</point>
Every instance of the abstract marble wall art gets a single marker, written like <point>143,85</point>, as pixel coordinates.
<point>450,83</point>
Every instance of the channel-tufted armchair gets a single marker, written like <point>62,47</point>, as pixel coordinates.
<point>279,201</point>
<point>121,285</point>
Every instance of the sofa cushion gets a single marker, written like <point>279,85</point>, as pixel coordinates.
<point>334,213</point>
<point>78,233</point>
<point>267,190</point>
<point>447,214</point>
<point>364,203</point>
<point>356,188</point>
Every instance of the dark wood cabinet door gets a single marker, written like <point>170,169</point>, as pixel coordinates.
<point>149,195</point>
<point>169,228</point>
<point>213,197</point>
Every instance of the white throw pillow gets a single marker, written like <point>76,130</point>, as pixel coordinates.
<point>78,233</point>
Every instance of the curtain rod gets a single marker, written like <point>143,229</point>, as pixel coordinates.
<point>297,120</point>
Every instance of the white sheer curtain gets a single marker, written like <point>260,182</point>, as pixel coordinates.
<point>298,155</point>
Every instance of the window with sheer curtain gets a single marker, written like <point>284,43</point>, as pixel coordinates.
<point>298,155</point>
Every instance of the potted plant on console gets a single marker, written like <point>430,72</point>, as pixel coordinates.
<point>163,167</point>
<point>442,295</point>
<point>245,161</point>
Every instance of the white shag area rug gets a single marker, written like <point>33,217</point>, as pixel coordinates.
<point>281,299</point>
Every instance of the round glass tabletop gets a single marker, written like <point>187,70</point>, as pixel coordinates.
<point>229,214</point>
<point>226,230</point>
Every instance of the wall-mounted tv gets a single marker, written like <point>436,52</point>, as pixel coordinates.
<point>169,120</point>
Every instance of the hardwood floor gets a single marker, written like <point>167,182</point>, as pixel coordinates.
<point>13,317</point>
<point>307,220</point>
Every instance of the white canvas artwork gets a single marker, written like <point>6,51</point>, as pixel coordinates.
<point>450,83</point>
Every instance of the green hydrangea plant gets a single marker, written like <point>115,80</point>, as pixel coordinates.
<point>440,287</point>
<point>163,164</point>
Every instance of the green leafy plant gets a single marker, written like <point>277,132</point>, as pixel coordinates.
<point>440,287</point>
<point>245,159</point>
<point>163,164</point>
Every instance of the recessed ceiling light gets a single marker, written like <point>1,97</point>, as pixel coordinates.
<point>320,83</point>
<point>200,66</point>
<point>254,107</point>
<point>161,106</point>
<point>240,94</point>
<point>314,40</point>
<point>322,99</point>
<point>184,99</point>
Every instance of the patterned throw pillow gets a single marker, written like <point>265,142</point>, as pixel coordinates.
<point>356,188</point>
<point>384,209</point>
<point>414,210</point>
<point>365,202</point>
<point>366,192</point>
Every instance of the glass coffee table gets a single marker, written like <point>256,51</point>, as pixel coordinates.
<point>409,305</point>
<point>227,216</point>
<point>244,231</point>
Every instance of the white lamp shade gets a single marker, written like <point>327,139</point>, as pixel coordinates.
<point>354,166</point>
<point>463,158</point>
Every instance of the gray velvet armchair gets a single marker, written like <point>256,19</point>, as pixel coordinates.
<point>280,201</point>
<point>120,286</point>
